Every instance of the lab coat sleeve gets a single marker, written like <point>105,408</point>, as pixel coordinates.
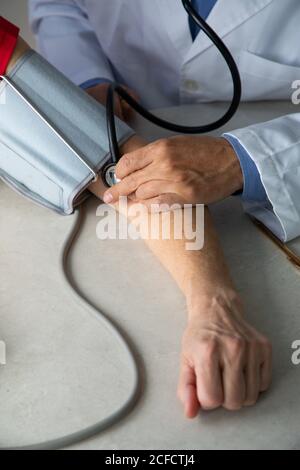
<point>66,39</point>
<point>253,188</point>
<point>274,147</point>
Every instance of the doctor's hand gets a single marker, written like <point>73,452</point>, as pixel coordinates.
<point>225,362</point>
<point>184,170</point>
<point>122,109</point>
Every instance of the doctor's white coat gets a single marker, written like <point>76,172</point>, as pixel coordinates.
<point>147,45</point>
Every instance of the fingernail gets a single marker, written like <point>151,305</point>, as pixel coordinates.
<point>108,197</point>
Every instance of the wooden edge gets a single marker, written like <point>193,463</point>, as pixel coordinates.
<point>291,256</point>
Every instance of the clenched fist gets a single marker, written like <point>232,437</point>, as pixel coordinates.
<point>225,362</point>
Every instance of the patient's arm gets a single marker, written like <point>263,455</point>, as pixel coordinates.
<point>224,361</point>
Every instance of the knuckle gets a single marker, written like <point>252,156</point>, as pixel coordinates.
<point>181,177</point>
<point>208,349</point>
<point>236,347</point>
<point>164,145</point>
<point>191,193</point>
<point>168,164</point>
<point>132,181</point>
<point>123,166</point>
<point>164,152</point>
<point>126,160</point>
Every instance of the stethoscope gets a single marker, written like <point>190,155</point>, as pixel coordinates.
<point>109,171</point>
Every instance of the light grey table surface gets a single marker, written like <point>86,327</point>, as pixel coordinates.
<point>65,371</point>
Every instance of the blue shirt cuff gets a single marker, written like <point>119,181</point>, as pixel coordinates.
<point>253,187</point>
<point>94,82</point>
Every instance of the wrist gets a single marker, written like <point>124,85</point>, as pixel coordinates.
<point>216,298</point>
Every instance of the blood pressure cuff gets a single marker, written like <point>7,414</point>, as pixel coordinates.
<point>33,159</point>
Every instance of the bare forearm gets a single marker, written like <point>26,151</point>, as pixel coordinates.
<point>218,345</point>
<point>200,274</point>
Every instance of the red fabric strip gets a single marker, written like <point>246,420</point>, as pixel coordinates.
<point>8,39</point>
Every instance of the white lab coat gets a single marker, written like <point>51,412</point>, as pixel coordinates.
<point>147,45</point>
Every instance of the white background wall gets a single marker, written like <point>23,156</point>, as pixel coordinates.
<point>16,11</point>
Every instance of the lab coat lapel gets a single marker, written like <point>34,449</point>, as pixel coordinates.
<point>174,21</point>
<point>224,18</point>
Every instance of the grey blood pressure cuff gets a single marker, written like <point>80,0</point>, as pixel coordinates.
<point>52,155</point>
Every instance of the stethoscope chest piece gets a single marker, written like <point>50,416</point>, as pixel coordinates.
<point>109,175</point>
